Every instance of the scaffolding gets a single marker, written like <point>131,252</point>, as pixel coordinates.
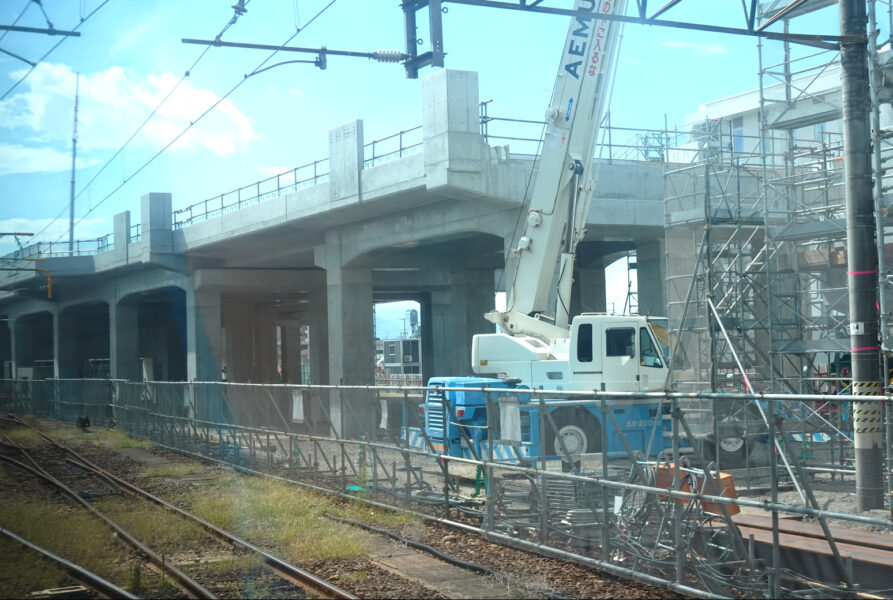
<point>756,244</point>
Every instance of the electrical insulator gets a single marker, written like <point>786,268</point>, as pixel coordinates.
<point>390,56</point>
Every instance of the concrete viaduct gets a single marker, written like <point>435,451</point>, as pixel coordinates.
<point>433,225</point>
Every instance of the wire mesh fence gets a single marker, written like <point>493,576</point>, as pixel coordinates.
<point>574,475</point>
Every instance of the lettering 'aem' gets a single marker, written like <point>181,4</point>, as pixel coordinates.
<point>576,47</point>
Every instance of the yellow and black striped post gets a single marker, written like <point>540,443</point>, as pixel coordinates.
<point>868,430</point>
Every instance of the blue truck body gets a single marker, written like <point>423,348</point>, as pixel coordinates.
<point>448,414</point>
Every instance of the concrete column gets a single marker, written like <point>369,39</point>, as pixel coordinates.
<point>588,293</point>
<point>457,314</point>
<point>202,335</point>
<point>68,336</point>
<point>265,347</point>
<point>346,161</point>
<point>454,148</point>
<point>12,348</point>
<point>56,349</point>
<point>157,223</point>
<point>652,278</point>
<point>122,236</point>
<point>351,347</point>
<point>319,340</point>
<point>240,343</point>
<point>429,369</point>
<point>291,352</point>
<point>124,356</point>
<point>5,348</point>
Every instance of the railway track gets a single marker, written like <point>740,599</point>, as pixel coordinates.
<point>295,576</point>
<point>103,587</point>
<point>806,554</point>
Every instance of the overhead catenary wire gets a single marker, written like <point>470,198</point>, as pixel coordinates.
<point>186,74</point>
<point>50,51</point>
<point>259,68</point>
<point>139,128</point>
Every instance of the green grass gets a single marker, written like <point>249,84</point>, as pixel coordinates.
<point>288,518</point>
<point>32,572</point>
<point>161,530</point>
<point>24,437</point>
<point>106,437</point>
<point>67,531</point>
<point>172,470</point>
<point>358,511</point>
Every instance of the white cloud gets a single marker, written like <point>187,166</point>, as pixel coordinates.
<point>696,49</point>
<point>16,158</point>
<point>112,104</point>
<point>88,229</point>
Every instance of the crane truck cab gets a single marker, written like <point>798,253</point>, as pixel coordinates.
<point>618,353</point>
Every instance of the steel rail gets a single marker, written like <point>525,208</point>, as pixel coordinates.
<point>283,569</point>
<point>104,587</point>
<point>185,582</point>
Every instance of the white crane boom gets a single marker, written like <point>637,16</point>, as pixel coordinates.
<point>563,185</point>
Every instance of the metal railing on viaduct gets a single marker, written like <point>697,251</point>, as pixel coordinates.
<point>671,521</point>
<point>621,143</point>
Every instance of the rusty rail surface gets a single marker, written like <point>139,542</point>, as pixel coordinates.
<point>283,569</point>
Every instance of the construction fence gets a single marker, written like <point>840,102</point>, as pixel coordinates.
<point>567,474</point>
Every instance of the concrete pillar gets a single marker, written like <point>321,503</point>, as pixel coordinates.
<point>457,314</point>
<point>203,335</point>
<point>122,236</point>
<point>454,148</point>
<point>652,278</point>
<point>5,349</point>
<point>588,293</point>
<point>318,320</point>
<point>351,347</point>
<point>56,350</point>
<point>346,161</point>
<point>157,222</point>
<point>291,352</point>
<point>124,356</point>
<point>239,343</point>
<point>68,335</point>
<point>429,369</point>
<point>265,348</point>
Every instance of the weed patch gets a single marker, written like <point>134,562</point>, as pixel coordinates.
<point>172,470</point>
<point>164,532</point>
<point>66,531</point>
<point>24,437</point>
<point>287,517</point>
<point>106,437</point>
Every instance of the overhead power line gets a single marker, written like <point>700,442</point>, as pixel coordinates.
<point>144,122</point>
<point>50,51</point>
<point>17,19</point>
<point>258,69</point>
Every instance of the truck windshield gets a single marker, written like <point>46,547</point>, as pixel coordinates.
<point>663,339</point>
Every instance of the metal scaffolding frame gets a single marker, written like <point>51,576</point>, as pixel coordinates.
<point>757,226</point>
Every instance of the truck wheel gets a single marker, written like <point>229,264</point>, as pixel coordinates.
<point>733,445</point>
<point>578,429</point>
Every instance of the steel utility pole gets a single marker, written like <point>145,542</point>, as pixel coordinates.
<point>862,261</point>
<point>74,155</point>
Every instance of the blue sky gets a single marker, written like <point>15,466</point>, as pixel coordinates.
<point>130,56</point>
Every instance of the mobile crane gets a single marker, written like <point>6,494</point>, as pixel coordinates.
<point>594,351</point>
